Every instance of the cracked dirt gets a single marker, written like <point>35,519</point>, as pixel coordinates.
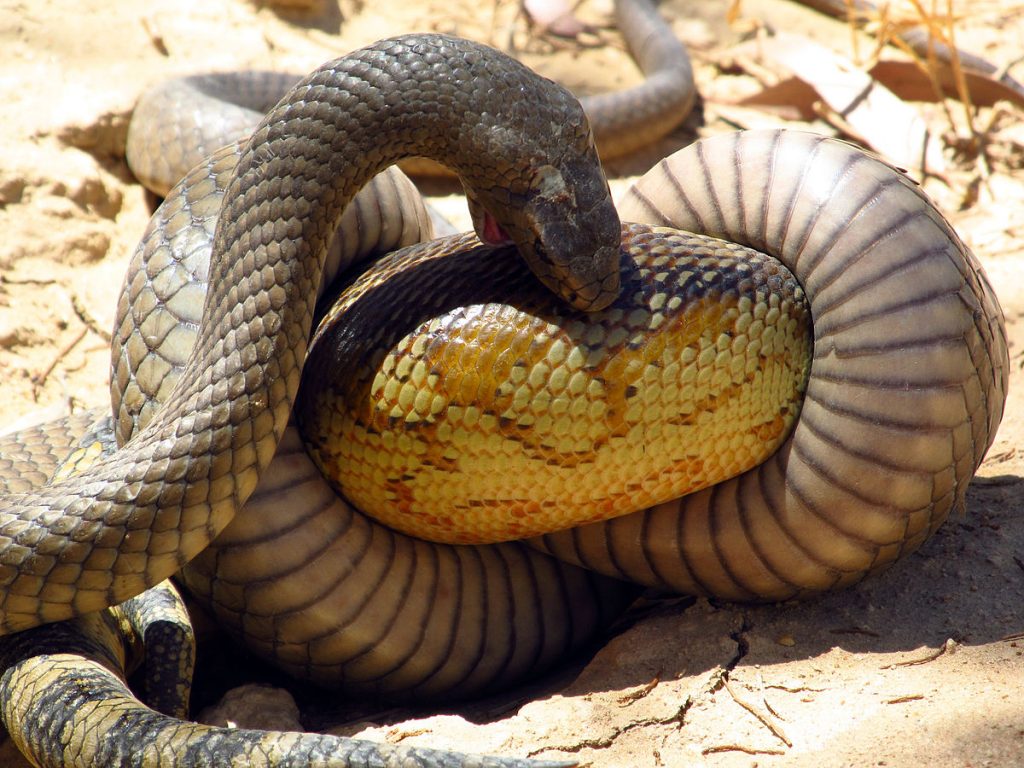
<point>919,666</point>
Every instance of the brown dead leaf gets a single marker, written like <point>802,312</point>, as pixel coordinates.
<point>906,79</point>
<point>858,103</point>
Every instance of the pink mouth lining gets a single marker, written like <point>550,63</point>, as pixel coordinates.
<point>493,233</point>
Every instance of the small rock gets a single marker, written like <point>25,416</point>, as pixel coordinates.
<point>11,190</point>
<point>254,706</point>
<point>104,135</point>
<point>83,182</point>
<point>9,337</point>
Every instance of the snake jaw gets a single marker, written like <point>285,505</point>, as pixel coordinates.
<point>577,234</point>
<point>565,227</point>
<point>491,232</point>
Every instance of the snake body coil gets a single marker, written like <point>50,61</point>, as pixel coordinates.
<point>467,405</point>
<point>907,385</point>
<point>908,343</point>
<point>814,517</point>
<point>232,400</point>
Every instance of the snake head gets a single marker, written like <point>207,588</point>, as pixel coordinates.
<point>565,226</point>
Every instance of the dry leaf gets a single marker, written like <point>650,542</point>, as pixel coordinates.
<point>906,79</point>
<point>872,112</point>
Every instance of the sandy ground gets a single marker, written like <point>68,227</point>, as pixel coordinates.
<point>921,666</point>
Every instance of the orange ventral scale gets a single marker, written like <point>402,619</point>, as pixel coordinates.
<point>463,415</point>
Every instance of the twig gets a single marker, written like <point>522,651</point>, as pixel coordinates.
<point>152,29</point>
<point>8,280</point>
<point>86,317</point>
<point>904,699</point>
<point>39,379</point>
<point>949,646</point>
<point>764,695</point>
<point>853,631</point>
<point>632,696</point>
<point>741,748</point>
<point>775,729</point>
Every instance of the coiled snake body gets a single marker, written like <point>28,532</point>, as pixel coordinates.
<point>908,339</point>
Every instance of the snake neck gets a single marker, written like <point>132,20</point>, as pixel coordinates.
<point>138,516</point>
<point>521,145</point>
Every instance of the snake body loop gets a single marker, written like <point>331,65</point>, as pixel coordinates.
<point>160,307</point>
<point>890,283</point>
<point>468,406</point>
<point>139,515</point>
<point>907,386</point>
<point>625,121</point>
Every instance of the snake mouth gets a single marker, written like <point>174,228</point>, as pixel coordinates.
<point>570,241</point>
<point>492,233</point>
